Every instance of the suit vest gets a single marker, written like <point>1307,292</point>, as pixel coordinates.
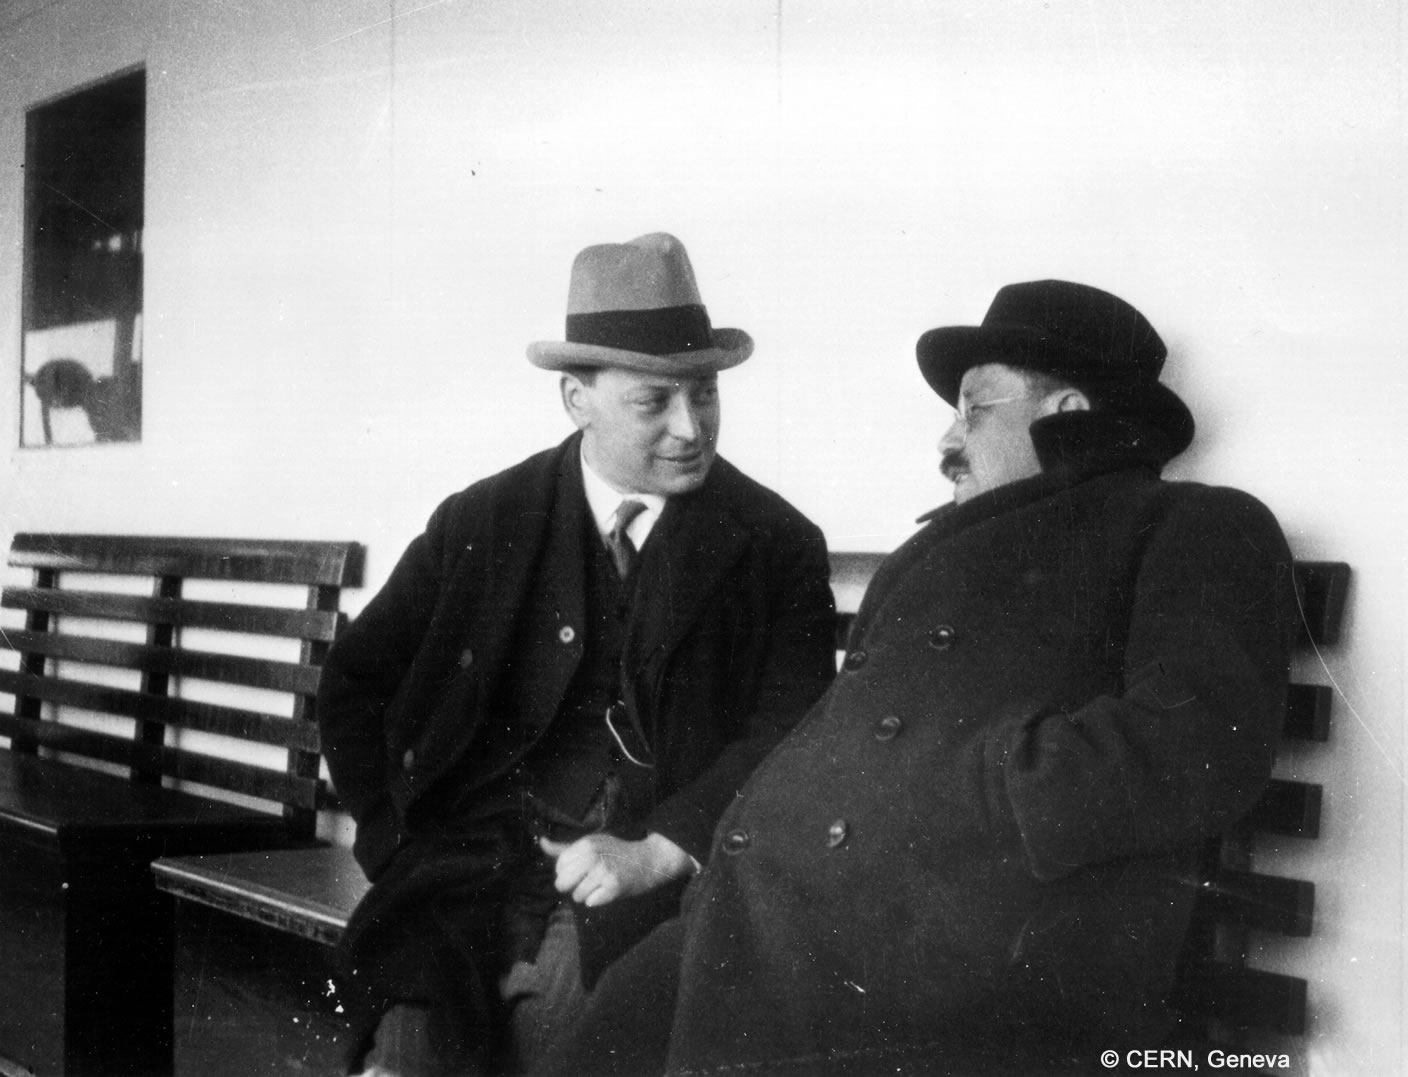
<point>576,775</point>
<point>571,777</point>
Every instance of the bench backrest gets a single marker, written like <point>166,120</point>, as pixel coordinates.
<point>155,657</point>
<point>1218,994</point>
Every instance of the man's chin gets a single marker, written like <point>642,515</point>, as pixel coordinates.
<point>683,476</point>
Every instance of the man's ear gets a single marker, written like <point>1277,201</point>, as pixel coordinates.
<point>575,400</point>
<point>1071,399</point>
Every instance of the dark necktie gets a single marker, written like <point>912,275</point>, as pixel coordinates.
<point>622,549</point>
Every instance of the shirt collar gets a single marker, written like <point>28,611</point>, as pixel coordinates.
<point>603,500</point>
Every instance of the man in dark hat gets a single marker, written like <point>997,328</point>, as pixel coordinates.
<point>975,855</point>
<point>538,720</point>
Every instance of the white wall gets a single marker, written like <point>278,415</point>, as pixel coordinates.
<point>358,213</point>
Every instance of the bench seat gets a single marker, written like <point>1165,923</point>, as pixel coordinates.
<point>305,892</point>
<point>163,692</point>
<point>89,815</point>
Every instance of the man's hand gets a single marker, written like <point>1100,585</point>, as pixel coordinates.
<point>599,869</point>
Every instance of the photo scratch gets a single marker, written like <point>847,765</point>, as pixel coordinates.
<point>380,22</point>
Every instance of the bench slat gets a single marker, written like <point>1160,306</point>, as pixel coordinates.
<point>335,564</point>
<point>850,576</point>
<point>54,798</point>
<point>1263,902</point>
<point>1289,808</point>
<point>228,774</point>
<point>292,789</point>
<point>316,625</point>
<point>122,751</point>
<point>1308,708</point>
<point>1245,998</point>
<point>186,714</point>
<point>203,665</point>
<point>1323,587</point>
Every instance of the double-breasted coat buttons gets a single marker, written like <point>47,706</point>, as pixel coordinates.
<point>408,760</point>
<point>466,658</point>
<point>566,633</point>
<point>735,841</point>
<point>888,727</point>
<point>943,637</point>
<point>837,833</point>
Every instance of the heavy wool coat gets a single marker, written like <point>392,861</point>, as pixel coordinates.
<point>976,853</point>
<point>735,643</point>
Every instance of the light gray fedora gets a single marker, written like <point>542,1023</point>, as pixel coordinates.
<point>636,305</point>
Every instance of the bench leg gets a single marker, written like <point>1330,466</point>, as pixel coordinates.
<point>119,983</point>
<point>85,986</point>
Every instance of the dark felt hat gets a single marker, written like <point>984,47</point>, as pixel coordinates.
<point>1094,340</point>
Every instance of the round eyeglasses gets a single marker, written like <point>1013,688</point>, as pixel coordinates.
<point>968,410</point>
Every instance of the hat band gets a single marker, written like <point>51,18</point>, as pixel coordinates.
<point>662,331</point>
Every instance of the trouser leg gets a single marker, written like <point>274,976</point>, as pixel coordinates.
<point>540,1000</point>
<point>624,1030</point>
<point>414,1040</point>
<point>543,996</point>
<point>431,1007</point>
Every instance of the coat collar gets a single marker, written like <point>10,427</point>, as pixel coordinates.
<point>1071,448</point>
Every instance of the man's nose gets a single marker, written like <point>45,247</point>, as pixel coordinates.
<point>684,420</point>
<point>954,437</point>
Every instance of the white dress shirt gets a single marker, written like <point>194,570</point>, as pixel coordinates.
<point>603,499</point>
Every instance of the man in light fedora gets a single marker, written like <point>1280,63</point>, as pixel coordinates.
<point>978,852</point>
<point>538,720</point>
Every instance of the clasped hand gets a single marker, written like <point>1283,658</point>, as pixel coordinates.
<point>599,868</point>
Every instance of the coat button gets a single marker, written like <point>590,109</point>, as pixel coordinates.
<point>567,633</point>
<point>856,659</point>
<point>735,841</point>
<point>888,728</point>
<point>837,833</point>
<point>466,658</point>
<point>943,637</point>
<point>408,761</point>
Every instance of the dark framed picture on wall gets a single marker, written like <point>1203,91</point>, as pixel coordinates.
<point>82,355</point>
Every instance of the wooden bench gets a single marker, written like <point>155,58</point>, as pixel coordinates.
<point>163,703</point>
<point>310,894</point>
<point>1222,999</point>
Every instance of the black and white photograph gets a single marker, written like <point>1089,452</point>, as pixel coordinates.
<point>701,538</point>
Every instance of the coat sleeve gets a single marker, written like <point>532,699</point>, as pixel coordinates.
<point>363,672</point>
<point>1185,746</point>
<point>793,660</point>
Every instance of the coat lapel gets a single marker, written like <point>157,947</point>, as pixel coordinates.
<point>566,565</point>
<point>518,535</point>
<point>698,544</point>
<point>557,595</point>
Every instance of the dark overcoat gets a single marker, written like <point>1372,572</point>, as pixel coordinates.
<point>976,853</point>
<point>739,643</point>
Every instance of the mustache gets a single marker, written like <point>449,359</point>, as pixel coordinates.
<point>952,464</point>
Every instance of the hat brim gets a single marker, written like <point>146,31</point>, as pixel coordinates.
<point>947,353</point>
<point>729,348</point>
